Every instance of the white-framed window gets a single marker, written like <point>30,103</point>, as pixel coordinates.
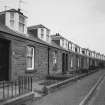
<point>30,58</point>
<point>76,49</point>
<point>73,47</point>
<point>70,46</point>
<point>21,23</point>
<point>71,63</point>
<point>83,51</point>
<point>67,44</point>
<point>12,19</point>
<point>42,33</point>
<point>21,27</point>
<point>63,42</point>
<point>12,23</point>
<point>47,35</point>
<point>78,62</point>
<point>54,57</point>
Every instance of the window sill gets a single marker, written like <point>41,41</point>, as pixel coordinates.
<point>31,71</point>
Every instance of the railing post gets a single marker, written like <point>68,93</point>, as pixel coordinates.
<point>12,88</point>
<point>19,85</point>
<point>28,83</point>
<point>25,83</point>
<point>3,90</point>
<point>8,88</point>
<point>31,83</point>
<point>22,85</point>
<point>15,88</point>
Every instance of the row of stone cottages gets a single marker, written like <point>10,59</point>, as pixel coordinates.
<point>33,52</point>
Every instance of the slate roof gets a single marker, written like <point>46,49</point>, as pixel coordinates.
<point>13,10</point>
<point>37,26</point>
<point>55,36</point>
<point>7,30</point>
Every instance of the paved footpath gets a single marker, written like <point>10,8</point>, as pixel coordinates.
<point>71,94</point>
<point>99,96</point>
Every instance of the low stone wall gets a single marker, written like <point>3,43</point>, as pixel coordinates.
<point>20,100</point>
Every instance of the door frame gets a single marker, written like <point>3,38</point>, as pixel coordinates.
<point>63,63</point>
<point>9,56</point>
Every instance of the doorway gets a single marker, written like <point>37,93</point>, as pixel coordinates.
<point>4,60</point>
<point>64,63</point>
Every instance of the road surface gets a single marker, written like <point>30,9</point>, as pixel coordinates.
<point>71,94</point>
<point>99,95</point>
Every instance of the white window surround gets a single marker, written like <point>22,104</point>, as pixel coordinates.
<point>30,58</point>
<point>54,57</point>
<point>71,64</point>
<point>12,19</point>
<point>12,23</point>
<point>42,33</point>
<point>70,46</point>
<point>47,35</point>
<point>73,47</point>
<point>78,62</point>
<point>11,15</point>
<point>21,23</point>
<point>63,42</point>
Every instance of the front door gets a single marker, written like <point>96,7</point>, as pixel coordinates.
<point>4,60</point>
<point>63,63</point>
<point>66,62</point>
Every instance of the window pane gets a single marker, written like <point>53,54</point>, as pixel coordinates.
<point>78,62</point>
<point>71,62</point>
<point>62,42</point>
<point>30,58</point>
<point>54,57</point>
<point>30,51</point>
<point>54,61</point>
<point>21,19</point>
<point>12,23</point>
<point>29,62</point>
<point>12,15</point>
<point>42,33</point>
<point>21,27</point>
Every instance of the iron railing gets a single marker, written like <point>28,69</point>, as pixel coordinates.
<point>11,89</point>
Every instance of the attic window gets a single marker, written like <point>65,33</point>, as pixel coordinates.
<point>54,57</point>
<point>21,23</point>
<point>47,35</point>
<point>62,42</point>
<point>78,49</point>
<point>12,19</point>
<point>21,19</point>
<point>66,44</point>
<point>12,15</point>
<point>42,32</point>
<point>83,52</point>
<point>75,49</point>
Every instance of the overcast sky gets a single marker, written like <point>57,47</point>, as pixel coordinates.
<point>81,21</point>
